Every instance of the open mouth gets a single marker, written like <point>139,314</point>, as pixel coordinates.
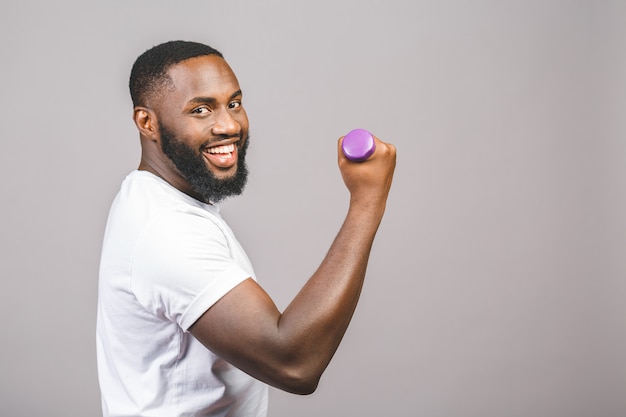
<point>222,156</point>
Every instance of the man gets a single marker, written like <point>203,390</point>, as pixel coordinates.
<point>183,327</point>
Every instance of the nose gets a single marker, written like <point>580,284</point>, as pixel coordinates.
<point>225,123</point>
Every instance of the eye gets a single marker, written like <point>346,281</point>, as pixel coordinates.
<point>201,110</point>
<point>234,104</point>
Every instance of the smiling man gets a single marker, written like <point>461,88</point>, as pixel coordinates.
<point>184,329</point>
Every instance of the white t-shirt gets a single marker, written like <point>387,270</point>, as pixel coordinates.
<point>167,258</point>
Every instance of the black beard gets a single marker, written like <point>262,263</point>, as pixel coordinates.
<point>191,165</point>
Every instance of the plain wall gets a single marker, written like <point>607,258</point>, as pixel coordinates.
<point>497,283</point>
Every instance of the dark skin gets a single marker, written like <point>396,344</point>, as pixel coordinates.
<point>287,350</point>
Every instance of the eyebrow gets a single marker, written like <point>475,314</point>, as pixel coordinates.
<point>210,100</point>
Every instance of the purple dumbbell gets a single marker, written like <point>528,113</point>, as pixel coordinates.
<point>358,145</point>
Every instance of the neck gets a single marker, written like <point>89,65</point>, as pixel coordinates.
<point>155,162</point>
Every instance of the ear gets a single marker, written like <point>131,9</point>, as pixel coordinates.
<point>146,121</point>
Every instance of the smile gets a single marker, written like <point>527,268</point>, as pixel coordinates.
<point>222,156</point>
<point>222,149</point>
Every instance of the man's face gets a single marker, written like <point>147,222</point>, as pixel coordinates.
<point>193,167</point>
<point>204,127</point>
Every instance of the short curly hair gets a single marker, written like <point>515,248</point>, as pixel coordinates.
<point>148,76</point>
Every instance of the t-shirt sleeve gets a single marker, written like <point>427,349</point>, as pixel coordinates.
<point>181,266</point>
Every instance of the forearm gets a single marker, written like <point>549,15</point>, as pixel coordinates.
<point>315,321</point>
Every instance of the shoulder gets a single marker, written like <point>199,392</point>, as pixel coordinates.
<point>144,196</point>
<point>149,211</point>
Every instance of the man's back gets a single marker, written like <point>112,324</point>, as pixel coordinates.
<point>166,259</point>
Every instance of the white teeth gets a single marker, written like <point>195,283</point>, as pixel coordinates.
<point>222,149</point>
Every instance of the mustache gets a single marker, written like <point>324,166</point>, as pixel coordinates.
<point>216,139</point>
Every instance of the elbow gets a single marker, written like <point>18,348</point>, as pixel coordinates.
<point>302,387</point>
<point>308,390</point>
<point>305,386</point>
<point>298,381</point>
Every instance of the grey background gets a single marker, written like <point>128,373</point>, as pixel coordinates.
<point>497,285</point>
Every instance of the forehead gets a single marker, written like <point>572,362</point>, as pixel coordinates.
<point>206,76</point>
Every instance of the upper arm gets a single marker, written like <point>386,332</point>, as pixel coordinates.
<point>190,270</point>
<point>243,328</point>
<point>181,265</point>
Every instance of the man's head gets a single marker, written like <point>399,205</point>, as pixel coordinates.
<point>149,78</point>
<point>193,127</point>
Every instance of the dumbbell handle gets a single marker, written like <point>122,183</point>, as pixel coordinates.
<point>358,145</point>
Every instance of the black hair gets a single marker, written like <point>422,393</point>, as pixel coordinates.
<point>149,73</point>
